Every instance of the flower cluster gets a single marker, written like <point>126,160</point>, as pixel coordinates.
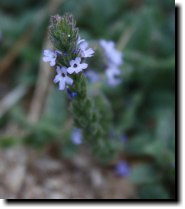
<point>69,56</point>
<point>75,65</point>
<point>77,136</point>
<point>92,113</point>
<point>114,60</point>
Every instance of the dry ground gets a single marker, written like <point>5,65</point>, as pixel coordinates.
<point>30,174</point>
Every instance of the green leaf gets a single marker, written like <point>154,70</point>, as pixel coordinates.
<point>144,174</point>
<point>153,191</point>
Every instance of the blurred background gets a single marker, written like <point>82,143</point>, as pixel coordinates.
<point>38,159</point>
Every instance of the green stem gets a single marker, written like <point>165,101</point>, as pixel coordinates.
<point>94,116</point>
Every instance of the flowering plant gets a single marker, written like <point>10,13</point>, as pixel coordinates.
<point>91,114</point>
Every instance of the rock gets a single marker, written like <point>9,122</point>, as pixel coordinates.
<point>96,178</point>
<point>53,183</point>
<point>13,169</point>
<point>2,168</point>
<point>14,178</point>
<point>46,164</point>
<point>16,155</point>
<point>81,161</point>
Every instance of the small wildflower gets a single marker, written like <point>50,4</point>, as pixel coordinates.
<point>77,136</point>
<point>62,78</point>
<point>71,94</point>
<point>84,51</point>
<point>50,56</point>
<point>122,169</point>
<point>114,56</point>
<point>112,74</point>
<point>79,41</point>
<point>76,66</point>
<point>92,76</point>
<point>114,60</point>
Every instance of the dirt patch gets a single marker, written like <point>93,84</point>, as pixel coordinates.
<point>29,174</point>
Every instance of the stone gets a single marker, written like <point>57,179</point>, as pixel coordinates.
<point>14,178</point>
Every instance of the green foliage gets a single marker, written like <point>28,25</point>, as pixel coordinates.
<point>93,115</point>
<point>144,174</point>
<point>153,191</point>
<point>8,141</point>
<point>53,119</point>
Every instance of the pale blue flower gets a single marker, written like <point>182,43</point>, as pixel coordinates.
<point>122,169</point>
<point>76,66</point>
<point>62,78</point>
<point>76,136</point>
<point>112,73</point>
<point>114,56</point>
<point>114,60</point>
<point>84,51</point>
<point>92,76</point>
<point>50,56</point>
<point>79,41</point>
